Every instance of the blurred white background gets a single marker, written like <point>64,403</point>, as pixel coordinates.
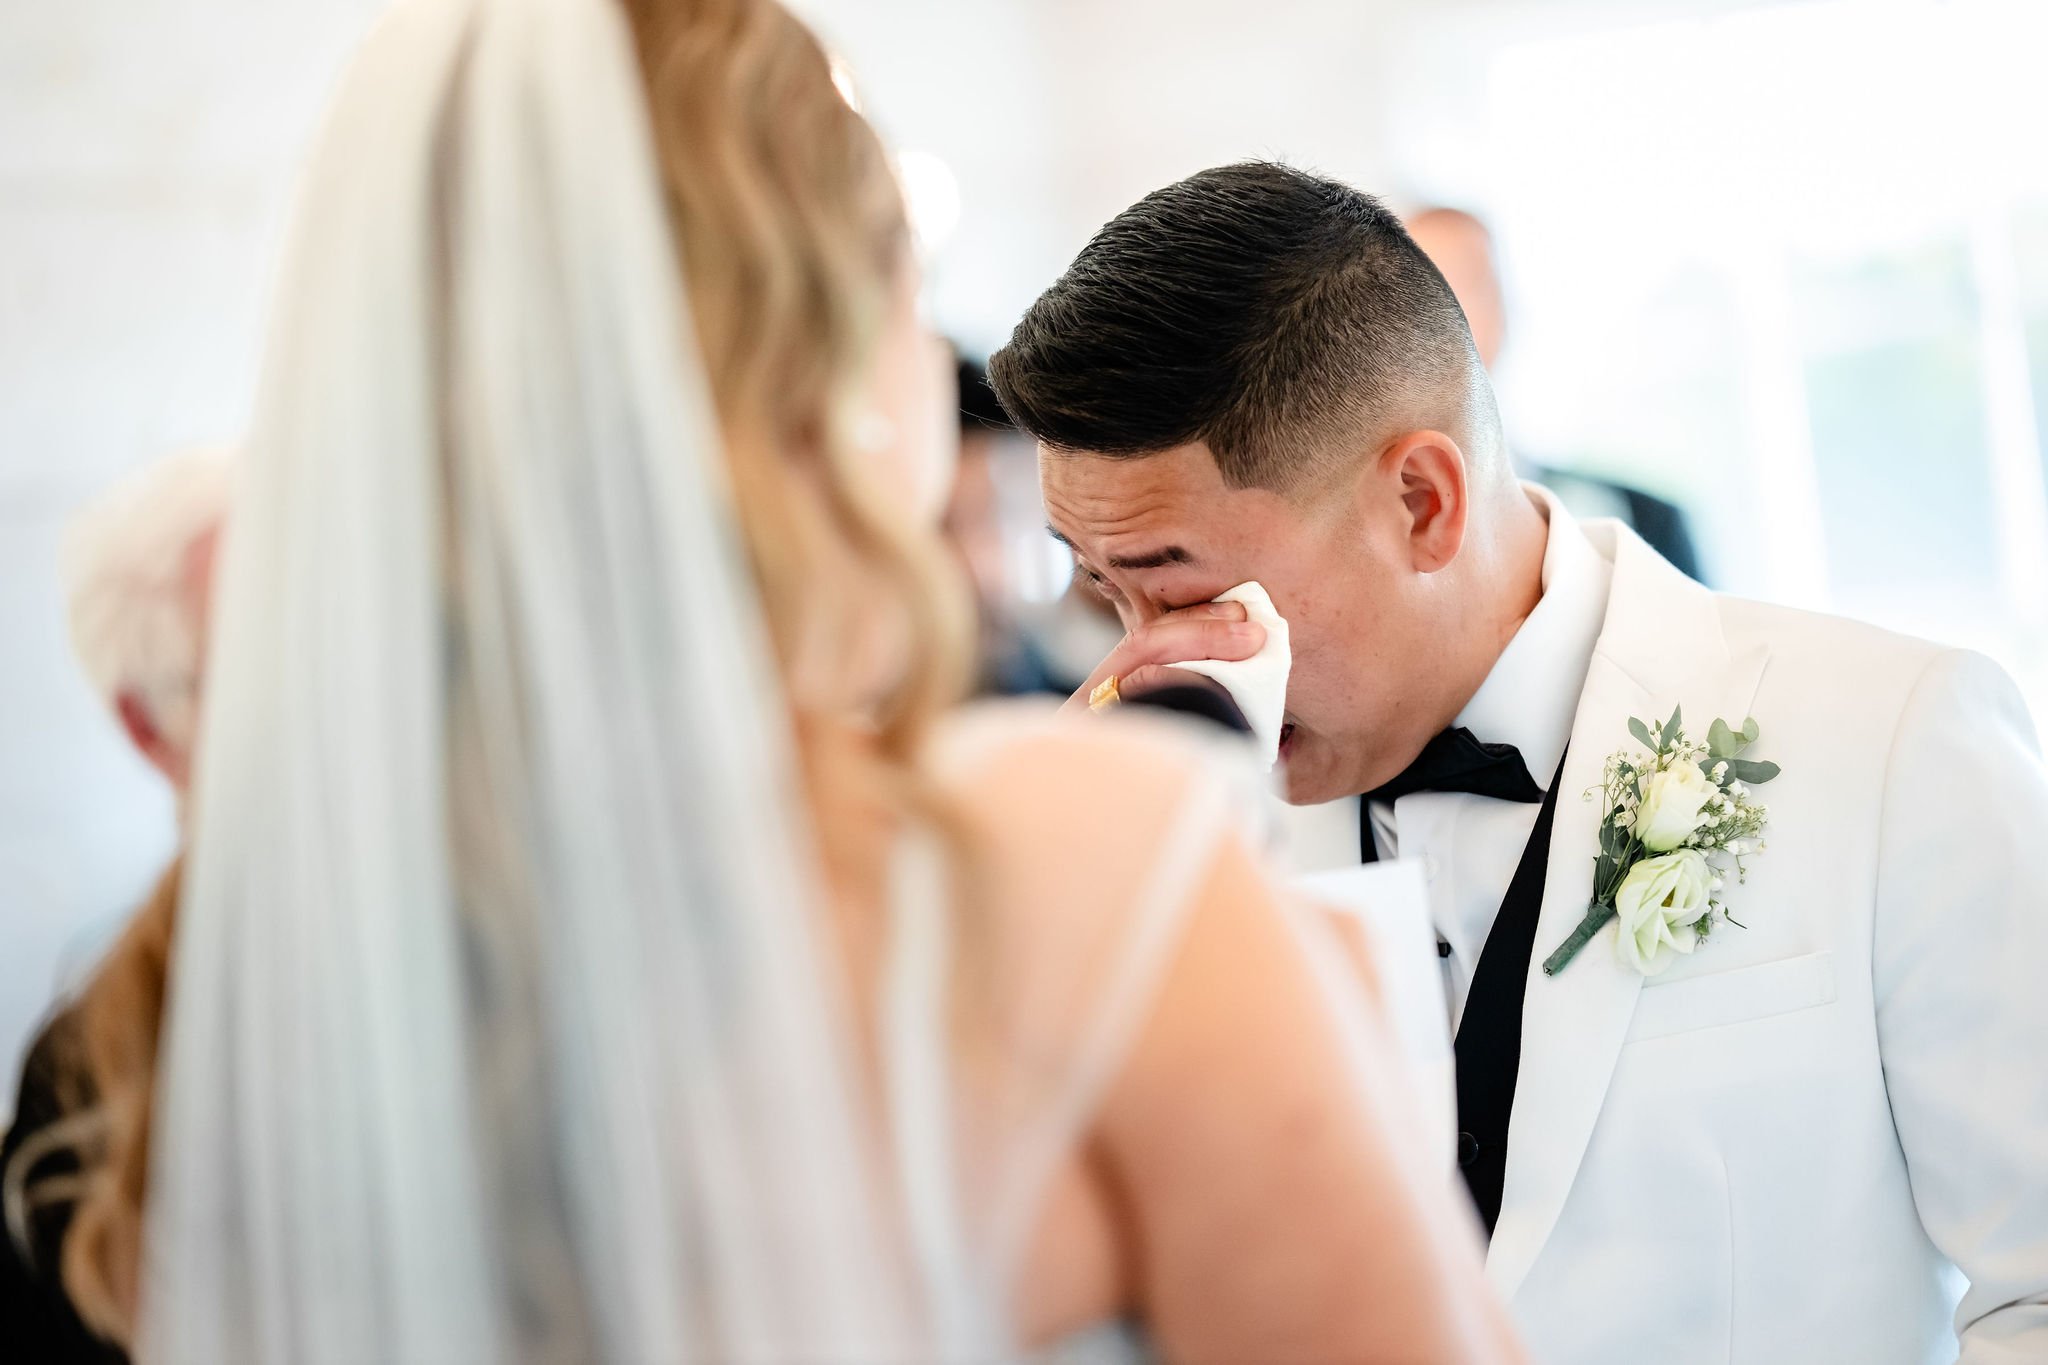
<point>1786,263</point>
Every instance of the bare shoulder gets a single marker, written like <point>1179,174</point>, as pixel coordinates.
<point>1023,736</point>
<point>1032,779</point>
<point>1238,1050</point>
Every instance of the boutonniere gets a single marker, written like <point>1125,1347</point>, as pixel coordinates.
<point>1677,823</point>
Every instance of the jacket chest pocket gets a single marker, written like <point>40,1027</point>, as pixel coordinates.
<point>1734,997</point>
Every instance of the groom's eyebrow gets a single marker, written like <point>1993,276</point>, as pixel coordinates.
<point>1156,559</point>
<point>1153,559</point>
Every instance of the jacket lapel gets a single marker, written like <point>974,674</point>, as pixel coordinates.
<point>1661,645</point>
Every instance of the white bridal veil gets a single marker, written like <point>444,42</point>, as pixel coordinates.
<point>498,1029</point>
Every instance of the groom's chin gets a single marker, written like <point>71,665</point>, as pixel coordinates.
<point>1298,793</point>
<point>1305,772</point>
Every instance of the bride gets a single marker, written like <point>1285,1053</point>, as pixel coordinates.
<point>598,941</point>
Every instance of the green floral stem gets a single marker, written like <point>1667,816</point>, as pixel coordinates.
<point>1596,919</point>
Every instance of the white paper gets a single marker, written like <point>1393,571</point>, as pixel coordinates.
<point>1386,904</point>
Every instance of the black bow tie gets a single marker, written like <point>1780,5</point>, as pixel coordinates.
<point>1458,761</point>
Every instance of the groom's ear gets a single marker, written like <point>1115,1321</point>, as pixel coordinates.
<point>1428,469</point>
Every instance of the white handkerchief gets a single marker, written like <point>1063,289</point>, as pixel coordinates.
<point>1259,684</point>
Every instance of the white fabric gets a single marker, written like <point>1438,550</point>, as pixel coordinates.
<point>1779,1149</point>
<point>1384,908</point>
<point>1470,845</point>
<point>499,1028</point>
<point>1259,684</point>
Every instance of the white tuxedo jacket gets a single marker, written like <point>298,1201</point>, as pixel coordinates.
<point>1785,1147</point>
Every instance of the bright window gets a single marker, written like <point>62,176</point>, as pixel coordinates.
<point>1788,264</point>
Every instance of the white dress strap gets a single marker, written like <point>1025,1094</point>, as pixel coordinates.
<point>1152,932</point>
<point>916,1067</point>
<point>969,1233</point>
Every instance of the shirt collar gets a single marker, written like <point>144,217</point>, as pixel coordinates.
<point>1531,695</point>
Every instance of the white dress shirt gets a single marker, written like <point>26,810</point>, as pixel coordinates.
<point>1470,845</point>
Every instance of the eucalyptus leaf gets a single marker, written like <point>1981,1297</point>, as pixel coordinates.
<point>1641,732</point>
<point>1671,727</point>
<point>1751,771</point>
<point>1722,741</point>
<point>1750,731</point>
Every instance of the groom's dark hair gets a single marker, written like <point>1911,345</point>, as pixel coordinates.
<point>1283,318</point>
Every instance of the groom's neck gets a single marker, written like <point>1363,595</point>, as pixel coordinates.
<point>1507,586</point>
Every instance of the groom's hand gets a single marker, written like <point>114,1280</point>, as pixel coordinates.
<point>1214,630</point>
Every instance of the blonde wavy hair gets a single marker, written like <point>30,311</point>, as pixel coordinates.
<point>792,235</point>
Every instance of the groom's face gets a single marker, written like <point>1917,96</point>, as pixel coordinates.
<point>1160,532</point>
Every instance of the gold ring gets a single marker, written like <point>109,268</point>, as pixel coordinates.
<point>1105,696</point>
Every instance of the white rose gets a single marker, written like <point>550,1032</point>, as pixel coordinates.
<point>1657,906</point>
<point>1674,805</point>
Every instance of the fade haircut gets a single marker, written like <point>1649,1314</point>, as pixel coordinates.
<point>1285,319</point>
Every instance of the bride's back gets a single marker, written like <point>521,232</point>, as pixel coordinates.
<point>1166,1095</point>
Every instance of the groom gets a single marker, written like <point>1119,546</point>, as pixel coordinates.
<point>1783,1144</point>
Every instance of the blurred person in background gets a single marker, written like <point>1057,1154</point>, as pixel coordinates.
<point>1461,247</point>
<point>1008,662</point>
<point>138,567</point>
<point>599,941</point>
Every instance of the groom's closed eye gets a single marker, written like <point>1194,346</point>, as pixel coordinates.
<point>1165,557</point>
<point>1097,584</point>
<point>1110,592</point>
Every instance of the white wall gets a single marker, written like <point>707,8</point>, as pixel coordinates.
<point>145,159</point>
<point>969,82</point>
<point>1056,114</point>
